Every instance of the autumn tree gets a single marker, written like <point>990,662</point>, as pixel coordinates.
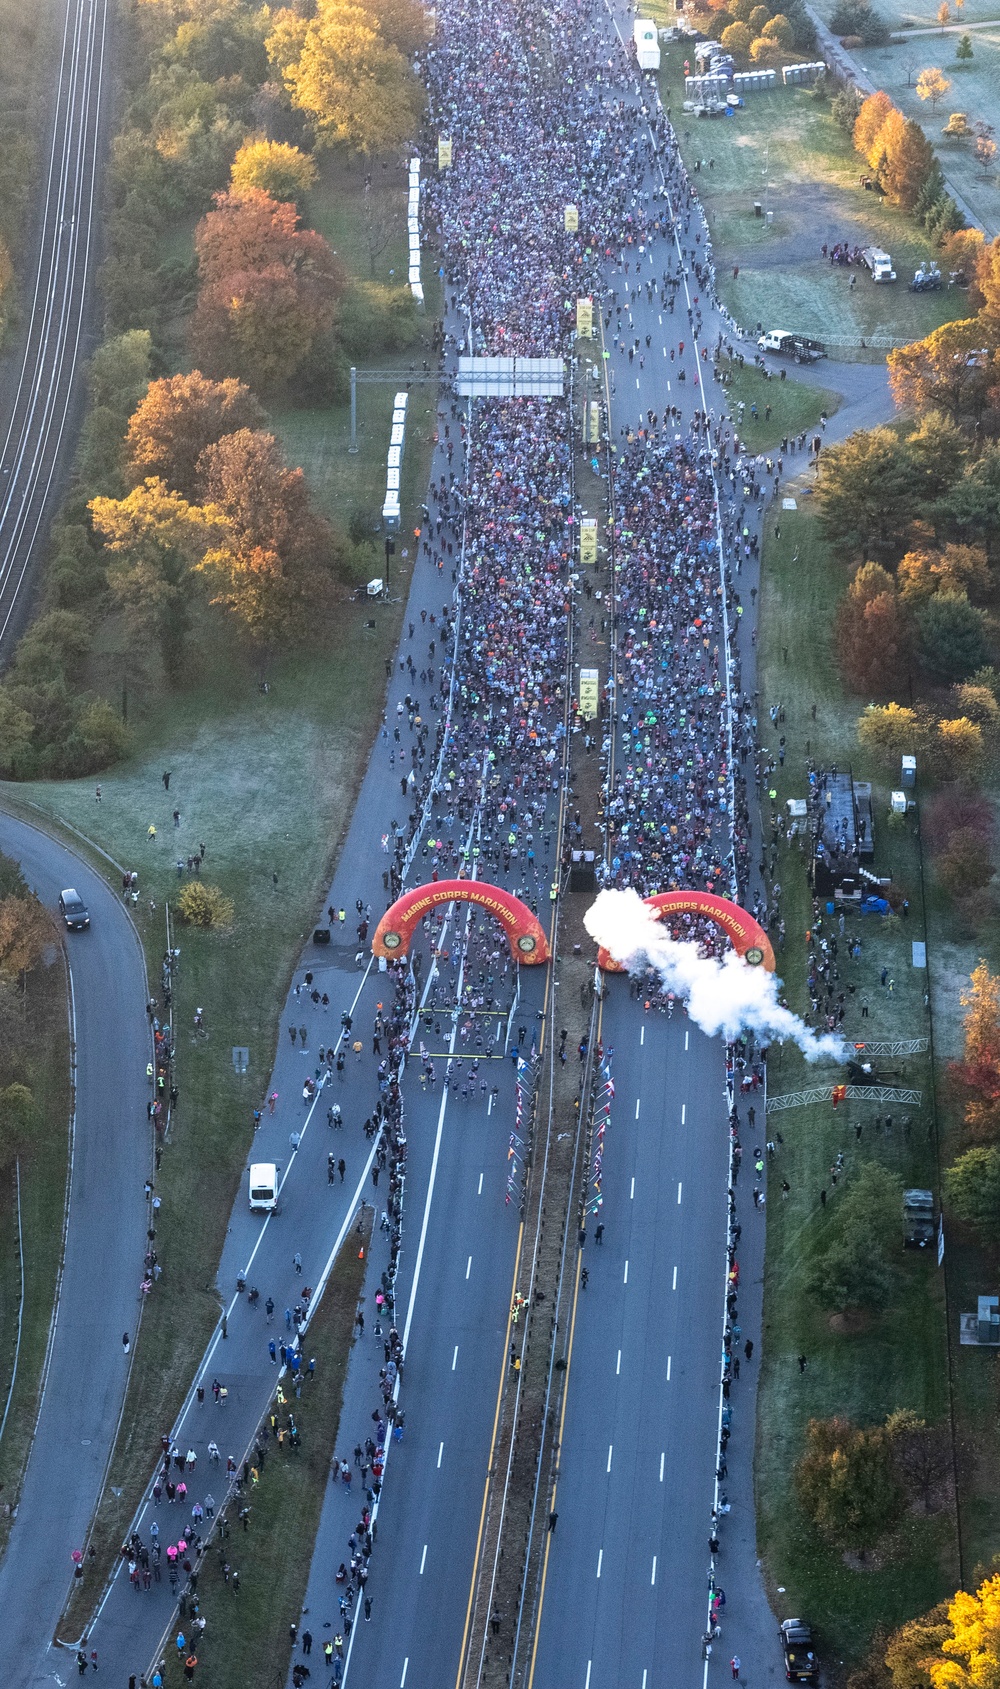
<point>403,23</point>
<point>889,731</point>
<point>907,163</point>
<point>736,39</point>
<point>268,289</point>
<point>178,418</point>
<point>933,85</point>
<point>977,1075</point>
<point>985,153</point>
<point>847,1483</point>
<point>874,644</point>
<point>25,930</point>
<point>921,1454</point>
<point>153,538</point>
<point>951,370</point>
<point>283,172</point>
<point>938,452</point>
<point>911,1649</point>
<point>275,572</point>
<point>354,85</point>
<point>869,121</point>
<point>866,486</point>
<point>964,867</point>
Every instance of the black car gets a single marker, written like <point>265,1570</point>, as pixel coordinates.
<point>73,910</point>
<point>801,1664</point>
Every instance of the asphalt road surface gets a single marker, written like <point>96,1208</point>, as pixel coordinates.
<point>33,429</point>
<point>625,1590</point>
<point>105,1239</point>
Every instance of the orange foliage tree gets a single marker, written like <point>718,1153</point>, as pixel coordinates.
<point>177,419</point>
<point>977,1075</point>
<point>874,640</point>
<point>870,120</point>
<point>268,292</point>
<point>276,570</point>
<point>951,370</point>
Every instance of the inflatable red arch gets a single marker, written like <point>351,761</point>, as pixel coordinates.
<point>524,933</point>
<point>746,935</point>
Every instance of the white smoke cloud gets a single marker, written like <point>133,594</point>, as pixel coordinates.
<point>727,996</point>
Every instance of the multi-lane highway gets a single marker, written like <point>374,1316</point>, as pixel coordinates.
<point>33,430</point>
<point>86,1368</point>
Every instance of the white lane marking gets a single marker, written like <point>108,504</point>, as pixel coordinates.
<point>587,1681</point>
<point>660,319</point>
<point>644,1679</point>
<point>652,1578</point>
<point>669,1359</point>
<point>684,1114</point>
<point>611,1450</point>
<point>440,1453</point>
<point>637,382</point>
<point>625,1280</point>
<point>637,1108</point>
<point>468,1267</point>
<point>454,1358</point>
<point>423,1560</point>
<point>642,1035</point>
<point>489,1106</point>
<point>680,1187</point>
<point>663,1457</point>
<point>686,1037</point>
<point>632,1192</point>
<point>480,1190</point>
<point>674,1285</point>
<point>600,1559</point>
<point>402,1680</point>
<point>668,387</point>
<point>619,1366</point>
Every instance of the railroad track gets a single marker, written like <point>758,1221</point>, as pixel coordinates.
<point>35,429</point>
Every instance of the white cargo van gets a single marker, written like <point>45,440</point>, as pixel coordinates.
<point>264,1187</point>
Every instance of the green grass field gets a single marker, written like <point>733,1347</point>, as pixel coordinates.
<point>897,1358</point>
<point>793,406</point>
<point>45,1054</point>
<point>901,1358</point>
<point>784,150</point>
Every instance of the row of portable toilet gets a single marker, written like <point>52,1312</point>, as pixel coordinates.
<point>802,73</point>
<point>413,230</point>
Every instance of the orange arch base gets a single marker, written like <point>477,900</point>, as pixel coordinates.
<point>746,935</point>
<point>527,941</point>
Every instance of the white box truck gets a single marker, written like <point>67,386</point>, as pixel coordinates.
<point>879,263</point>
<point>647,44</point>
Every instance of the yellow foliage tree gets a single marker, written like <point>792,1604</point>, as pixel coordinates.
<point>737,38</point>
<point>950,370</point>
<point>978,1073</point>
<point>869,121</point>
<point>153,538</point>
<point>970,1656</point>
<point>911,1648</point>
<point>202,905</point>
<point>281,171</point>
<point>978,704</point>
<point>25,930</point>
<point>933,85</point>
<point>891,731</point>
<point>959,746</point>
<point>887,137</point>
<point>355,85</point>
<point>988,279</point>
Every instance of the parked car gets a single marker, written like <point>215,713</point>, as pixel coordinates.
<point>801,1664</point>
<point>73,910</point>
<point>918,1219</point>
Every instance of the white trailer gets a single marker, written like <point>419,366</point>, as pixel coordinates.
<point>647,44</point>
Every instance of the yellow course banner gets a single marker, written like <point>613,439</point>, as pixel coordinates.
<point>444,152</point>
<point>591,422</point>
<point>588,540</point>
<point>585,318</point>
<point>571,219</point>
<point>589,694</point>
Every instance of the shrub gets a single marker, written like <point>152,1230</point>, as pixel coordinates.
<point>103,736</point>
<point>972,1189</point>
<point>374,319</point>
<point>965,867</point>
<point>856,17</point>
<point>202,905</point>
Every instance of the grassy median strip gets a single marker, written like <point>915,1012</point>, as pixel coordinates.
<point>42,1063</point>
<point>246,1640</point>
<point>862,1366</point>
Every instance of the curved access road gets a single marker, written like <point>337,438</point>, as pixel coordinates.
<point>86,1368</point>
<point>34,420</point>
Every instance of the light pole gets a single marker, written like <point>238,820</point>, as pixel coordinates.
<point>354,409</point>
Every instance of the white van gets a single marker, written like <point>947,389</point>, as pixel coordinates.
<point>264,1187</point>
